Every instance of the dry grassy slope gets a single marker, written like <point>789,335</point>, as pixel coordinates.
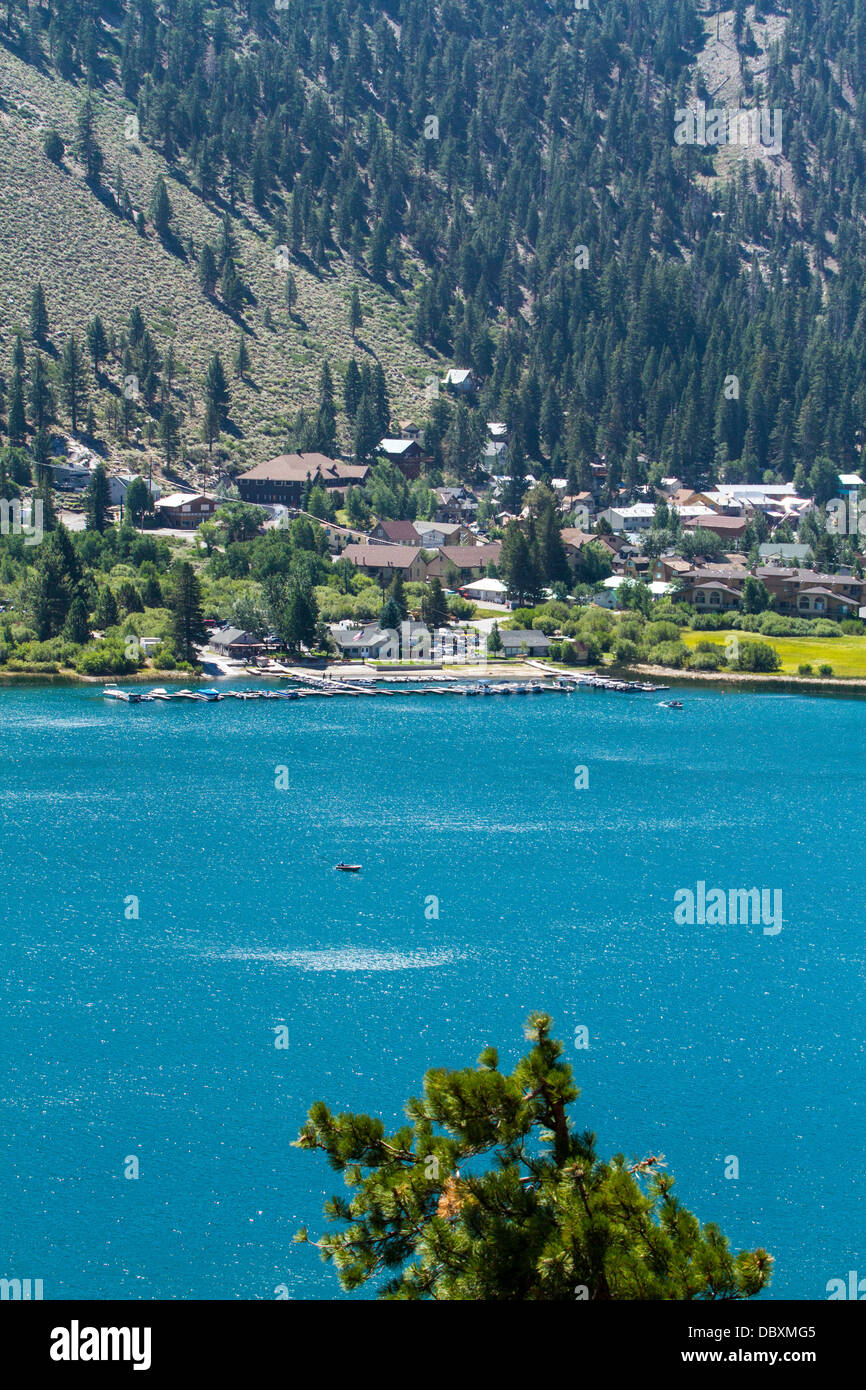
<point>53,229</point>
<point>720,66</point>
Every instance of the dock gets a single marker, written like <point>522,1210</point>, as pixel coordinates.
<point>310,686</point>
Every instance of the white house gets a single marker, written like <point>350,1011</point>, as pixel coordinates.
<point>459,379</point>
<point>485,591</point>
<point>637,517</point>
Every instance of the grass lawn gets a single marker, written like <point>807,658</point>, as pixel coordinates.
<point>847,655</point>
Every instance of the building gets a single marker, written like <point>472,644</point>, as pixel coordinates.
<point>524,641</point>
<point>283,479</point>
<point>384,561</point>
<point>485,591</point>
<point>233,641</point>
<point>730,528</point>
<point>69,477</point>
<point>361,644</point>
<point>637,517</point>
<point>406,453</point>
<point>396,533</point>
<point>800,593</point>
<point>455,504</point>
<point>783,551</point>
<point>338,537</point>
<point>460,380</point>
<point>432,534</point>
<point>470,561</point>
<point>185,510</point>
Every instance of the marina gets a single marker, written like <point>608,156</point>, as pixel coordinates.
<point>311,686</point>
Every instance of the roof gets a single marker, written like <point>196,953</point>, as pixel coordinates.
<point>229,636</point>
<point>470,556</point>
<point>395,557</point>
<point>445,528</point>
<point>456,376</point>
<point>717,584</point>
<point>711,521</point>
<point>183,499</point>
<point>787,550</point>
<point>573,536</point>
<point>403,532</point>
<point>523,637</point>
<point>397,446</point>
<point>371,635</point>
<point>828,593</point>
<point>296,468</point>
<point>480,586</point>
<point>851,480</point>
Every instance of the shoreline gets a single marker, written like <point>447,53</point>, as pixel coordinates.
<point>216,669</point>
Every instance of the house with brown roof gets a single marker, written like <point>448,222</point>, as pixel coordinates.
<point>384,561</point>
<point>396,533</point>
<point>731,528</point>
<point>470,561</point>
<point>185,510</point>
<point>795,592</point>
<point>282,479</point>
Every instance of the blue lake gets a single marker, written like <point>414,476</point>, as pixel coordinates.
<point>155,1037</point>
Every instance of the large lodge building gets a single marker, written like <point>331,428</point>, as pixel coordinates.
<point>281,480</point>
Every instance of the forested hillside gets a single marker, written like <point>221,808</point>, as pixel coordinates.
<point>414,185</point>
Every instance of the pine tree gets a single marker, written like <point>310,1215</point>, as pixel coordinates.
<point>106,614</point>
<point>352,388</point>
<point>72,380</point>
<point>97,500</point>
<point>38,315</point>
<point>291,293</point>
<point>160,210</point>
<point>77,627</point>
<point>216,391</point>
<point>356,315</point>
<point>242,357</point>
<point>40,395</point>
<point>207,270</point>
<point>17,420</point>
<point>231,287</point>
<point>490,1193</point>
<point>97,342</point>
<point>187,618</point>
<point>87,149</point>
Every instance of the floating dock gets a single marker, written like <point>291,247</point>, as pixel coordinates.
<point>319,687</point>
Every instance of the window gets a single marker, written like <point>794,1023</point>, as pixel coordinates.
<point>715,596</point>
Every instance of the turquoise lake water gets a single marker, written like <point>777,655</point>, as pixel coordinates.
<point>155,1037</point>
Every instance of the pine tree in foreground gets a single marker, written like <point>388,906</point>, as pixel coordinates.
<point>547,1219</point>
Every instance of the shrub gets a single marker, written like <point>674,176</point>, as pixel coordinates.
<point>655,633</point>
<point>668,654</point>
<point>825,670</point>
<point>852,627</point>
<point>704,661</point>
<point>804,669</point>
<point>757,656</point>
<point>625,650</point>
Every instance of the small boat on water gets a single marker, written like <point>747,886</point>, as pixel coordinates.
<point>348,868</point>
<point>670,704</point>
<point>159,692</point>
<point>130,697</point>
<point>209,694</point>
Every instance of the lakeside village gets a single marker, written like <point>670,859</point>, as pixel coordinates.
<point>305,562</point>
